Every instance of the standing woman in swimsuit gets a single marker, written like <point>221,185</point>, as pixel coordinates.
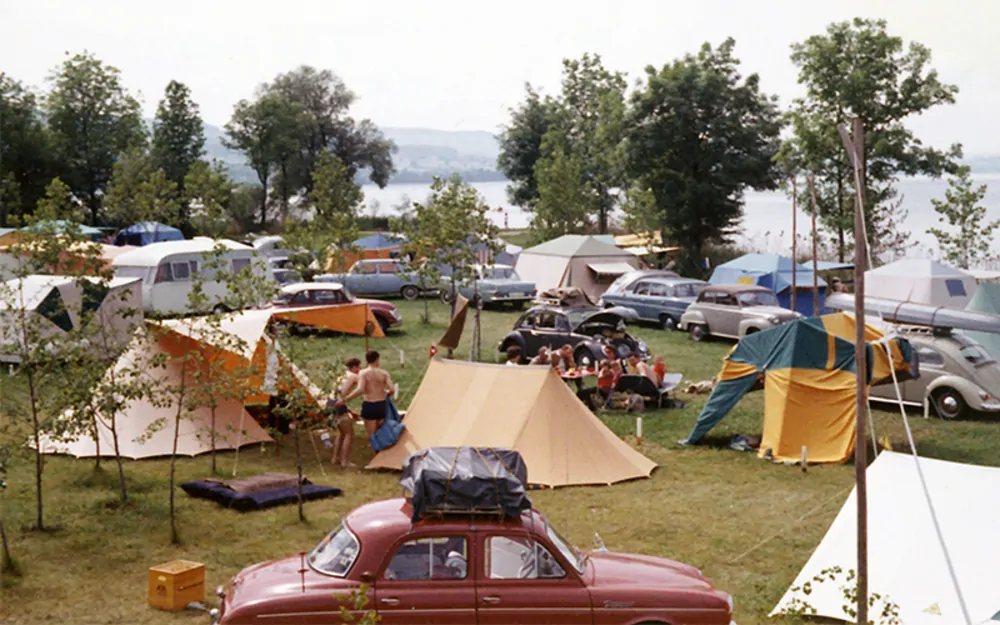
<point>375,384</point>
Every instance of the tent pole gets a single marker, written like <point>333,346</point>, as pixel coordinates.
<point>812,196</point>
<point>795,209</point>
<point>855,146</point>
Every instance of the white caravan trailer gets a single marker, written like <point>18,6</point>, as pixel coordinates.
<point>167,268</point>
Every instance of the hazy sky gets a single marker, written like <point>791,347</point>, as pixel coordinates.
<point>459,65</point>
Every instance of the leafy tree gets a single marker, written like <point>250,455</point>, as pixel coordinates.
<point>267,132</point>
<point>521,147</point>
<point>59,202</point>
<point>92,119</point>
<point>561,207</point>
<point>209,194</point>
<point>178,134</point>
<point>700,136</point>
<point>858,70</point>
<point>325,102</point>
<point>25,164</point>
<point>961,210</point>
<point>140,192</point>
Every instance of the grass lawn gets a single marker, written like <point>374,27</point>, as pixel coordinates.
<point>748,524</point>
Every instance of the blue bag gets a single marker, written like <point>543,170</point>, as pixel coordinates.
<point>392,427</point>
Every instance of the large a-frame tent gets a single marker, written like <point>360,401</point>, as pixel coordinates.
<point>923,281</point>
<point>577,260</point>
<point>529,409</point>
<point>906,563</point>
<point>807,371</point>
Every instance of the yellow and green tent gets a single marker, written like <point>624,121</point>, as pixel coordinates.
<point>807,370</point>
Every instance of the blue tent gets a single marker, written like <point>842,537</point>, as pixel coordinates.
<point>147,232</point>
<point>774,272</point>
<point>378,241</point>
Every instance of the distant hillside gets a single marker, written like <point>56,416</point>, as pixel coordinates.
<point>423,154</point>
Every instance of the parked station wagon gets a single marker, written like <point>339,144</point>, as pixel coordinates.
<point>492,570</point>
<point>733,311</point>
<point>957,375</point>
<point>494,284</point>
<point>379,277</point>
<point>660,299</point>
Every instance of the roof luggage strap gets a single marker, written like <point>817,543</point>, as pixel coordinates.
<point>496,483</point>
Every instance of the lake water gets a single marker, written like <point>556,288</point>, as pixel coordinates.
<point>767,221</point>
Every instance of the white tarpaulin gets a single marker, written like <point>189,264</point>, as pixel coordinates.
<point>906,563</point>
<point>922,281</point>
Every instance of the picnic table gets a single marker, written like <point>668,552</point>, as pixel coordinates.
<point>577,374</point>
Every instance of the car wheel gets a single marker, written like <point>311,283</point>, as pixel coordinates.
<point>949,404</point>
<point>445,297</point>
<point>584,358</point>
<point>220,309</point>
<point>698,332</point>
<point>384,324</point>
<point>667,323</point>
<point>751,331</point>
<point>410,292</point>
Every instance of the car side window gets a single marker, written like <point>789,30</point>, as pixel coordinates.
<point>545,320</point>
<point>526,321</point>
<point>658,290</point>
<point>388,268</point>
<point>562,324</point>
<point>444,557</point>
<point>707,297</point>
<point>642,288</point>
<point>520,557</point>
<point>327,297</point>
<point>930,357</point>
<point>301,298</point>
<point>367,269</point>
<point>727,299</point>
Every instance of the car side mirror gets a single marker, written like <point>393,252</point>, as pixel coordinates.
<point>368,578</point>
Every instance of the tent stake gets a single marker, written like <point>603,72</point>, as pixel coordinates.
<point>855,148</point>
<point>805,459</point>
<point>638,430</point>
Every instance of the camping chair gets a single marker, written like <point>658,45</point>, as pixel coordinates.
<point>644,387</point>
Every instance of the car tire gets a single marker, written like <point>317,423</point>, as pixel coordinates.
<point>220,309</point>
<point>698,332</point>
<point>384,324</point>
<point>410,292</point>
<point>584,358</point>
<point>949,404</point>
<point>445,297</point>
<point>751,331</point>
<point>667,323</point>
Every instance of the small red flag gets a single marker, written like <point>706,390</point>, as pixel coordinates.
<point>434,350</point>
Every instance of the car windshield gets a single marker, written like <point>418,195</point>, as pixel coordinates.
<point>688,289</point>
<point>336,553</point>
<point>757,298</point>
<point>499,273</point>
<point>571,553</point>
<point>284,297</point>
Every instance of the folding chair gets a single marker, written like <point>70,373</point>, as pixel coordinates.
<point>644,387</point>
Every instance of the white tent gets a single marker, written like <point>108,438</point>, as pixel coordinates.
<point>104,314</point>
<point>906,563</point>
<point>922,281</point>
<point>576,260</point>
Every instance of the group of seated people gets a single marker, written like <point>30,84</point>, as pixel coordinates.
<point>609,370</point>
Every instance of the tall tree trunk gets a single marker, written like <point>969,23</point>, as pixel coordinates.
<point>263,201</point>
<point>37,435</point>
<point>122,486</point>
<point>841,243</point>
<point>7,561</point>
<point>298,466</point>
<point>174,536</point>
<point>213,438</point>
<point>97,445</point>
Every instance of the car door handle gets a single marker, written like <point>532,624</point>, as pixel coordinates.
<point>491,599</point>
<point>390,601</point>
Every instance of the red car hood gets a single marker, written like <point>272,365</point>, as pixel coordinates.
<point>279,586</point>
<point>630,569</point>
<point>375,304</point>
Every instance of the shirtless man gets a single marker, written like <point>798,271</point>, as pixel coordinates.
<point>375,383</point>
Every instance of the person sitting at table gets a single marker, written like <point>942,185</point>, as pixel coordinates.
<point>607,376</point>
<point>555,359</point>
<point>566,361</point>
<point>542,358</point>
<point>639,367</point>
<point>609,353</point>
<point>513,355</point>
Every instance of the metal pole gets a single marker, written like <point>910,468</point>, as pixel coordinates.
<point>855,148</point>
<point>795,262</point>
<point>812,195</point>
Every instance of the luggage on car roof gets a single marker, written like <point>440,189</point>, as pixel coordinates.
<point>470,480</point>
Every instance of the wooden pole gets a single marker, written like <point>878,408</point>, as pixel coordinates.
<point>795,231</point>
<point>855,146</point>
<point>812,198</point>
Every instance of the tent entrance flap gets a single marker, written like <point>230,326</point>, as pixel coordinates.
<point>610,269</point>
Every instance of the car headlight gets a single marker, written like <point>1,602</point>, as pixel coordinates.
<point>220,591</point>
<point>774,320</point>
<point>983,395</point>
<point>729,602</point>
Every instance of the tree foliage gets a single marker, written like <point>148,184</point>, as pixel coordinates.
<point>700,135</point>
<point>59,203</point>
<point>208,192</point>
<point>25,159</point>
<point>562,197</point>
<point>858,70</point>
<point>521,147</point>
<point>92,119</point>
<point>178,134</point>
<point>139,192</point>
<point>970,238</point>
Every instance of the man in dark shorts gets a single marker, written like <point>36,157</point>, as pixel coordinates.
<point>375,384</point>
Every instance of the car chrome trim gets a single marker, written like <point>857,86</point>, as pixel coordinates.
<point>300,614</point>
<point>353,561</point>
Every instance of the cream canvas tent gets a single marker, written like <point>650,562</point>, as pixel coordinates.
<point>103,314</point>
<point>254,352</point>
<point>905,558</point>
<point>575,260</point>
<point>528,409</point>
<point>922,281</point>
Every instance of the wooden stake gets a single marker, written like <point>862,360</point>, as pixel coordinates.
<point>795,209</point>
<point>812,197</point>
<point>855,148</point>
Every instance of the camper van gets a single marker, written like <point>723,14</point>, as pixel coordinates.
<point>167,269</point>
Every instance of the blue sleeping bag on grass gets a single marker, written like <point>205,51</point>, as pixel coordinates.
<point>392,427</point>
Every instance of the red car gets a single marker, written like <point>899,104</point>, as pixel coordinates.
<point>327,293</point>
<point>451,570</point>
